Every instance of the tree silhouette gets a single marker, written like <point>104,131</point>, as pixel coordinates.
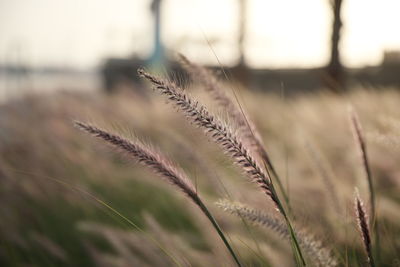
<point>335,77</point>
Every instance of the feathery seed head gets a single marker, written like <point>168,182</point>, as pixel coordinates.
<point>152,159</point>
<point>216,129</point>
<point>362,222</point>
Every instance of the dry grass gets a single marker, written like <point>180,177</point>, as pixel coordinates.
<point>162,166</point>
<point>45,223</point>
<point>230,143</point>
<point>319,255</point>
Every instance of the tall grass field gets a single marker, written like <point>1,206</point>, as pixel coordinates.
<point>205,174</point>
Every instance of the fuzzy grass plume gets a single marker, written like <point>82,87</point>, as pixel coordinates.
<point>247,130</point>
<point>246,127</point>
<point>360,141</point>
<point>362,222</point>
<point>229,142</point>
<point>215,128</point>
<point>160,165</point>
<point>320,255</point>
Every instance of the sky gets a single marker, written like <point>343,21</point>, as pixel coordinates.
<point>285,33</point>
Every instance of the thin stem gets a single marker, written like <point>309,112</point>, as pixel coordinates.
<point>160,165</point>
<point>374,219</point>
<point>247,129</point>
<point>363,150</point>
<point>268,166</point>
<point>219,231</point>
<point>228,141</point>
<point>295,244</point>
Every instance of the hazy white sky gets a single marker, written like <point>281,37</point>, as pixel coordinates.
<point>280,33</point>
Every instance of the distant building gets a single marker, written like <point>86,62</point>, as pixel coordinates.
<point>391,58</point>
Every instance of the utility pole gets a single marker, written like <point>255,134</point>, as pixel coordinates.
<point>157,58</point>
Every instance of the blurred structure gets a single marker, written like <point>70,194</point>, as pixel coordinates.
<point>385,75</point>
<point>335,77</point>
<point>17,68</point>
<point>157,58</point>
<point>122,71</point>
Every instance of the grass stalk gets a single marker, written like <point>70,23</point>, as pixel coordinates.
<point>359,137</point>
<point>160,165</point>
<point>219,231</point>
<point>247,130</point>
<point>295,243</point>
<point>230,143</point>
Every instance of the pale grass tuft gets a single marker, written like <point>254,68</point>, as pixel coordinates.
<point>254,216</point>
<point>326,175</point>
<point>49,246</point>
<point>389,140</point>
<point>392,122</point>
<point>131,248</point>
<point>320,255</point>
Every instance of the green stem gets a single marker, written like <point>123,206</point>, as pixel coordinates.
<point>281,188</point>
<point>269,167</point>
<point>295,244</point>
<point>374,219</point>
<point>371,260</point>
<point>218,229</point>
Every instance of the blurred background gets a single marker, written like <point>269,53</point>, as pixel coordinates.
<point>92,44</point>
<point>295,66</point>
